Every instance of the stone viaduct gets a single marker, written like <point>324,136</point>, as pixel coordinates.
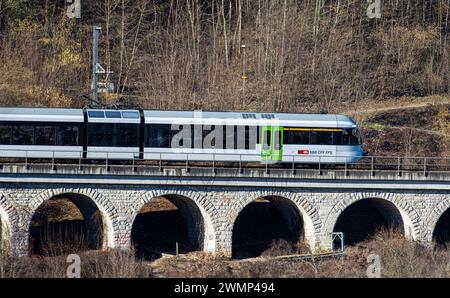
<point>211,203</point>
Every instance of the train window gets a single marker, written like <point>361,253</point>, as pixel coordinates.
<point>130,115</point>
<point>45,135</point>
<point>258,134</point>
<point>294,137</point>
<point>113,114</point>
<point>5,135</point>
<point>96,114</point>
<point>247,138</point>
<point>67,135</point>
<point>126,135</point>
<point>240,137</point>
<point>23,135</point>
<point>229,137</point>
<point>337,138</point>
<point>321,138</point>
<point>113,135</point>
<point>158,136</point>
<point>196,136</point>
<point>267,140</point>
<point>277,139</point>
<point>351,137</point>
<point>100,134</point>
<point>355,137</point>
<point>175,136</point>
<point>224,137</point>
<point>251,136</point>
<point>210,142</point>
<point>345,137</point>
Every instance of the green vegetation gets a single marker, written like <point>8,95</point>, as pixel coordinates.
<point>16,10</point>
<point>377,126</point>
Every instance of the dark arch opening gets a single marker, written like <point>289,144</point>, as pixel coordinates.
<point>441,233</point>
<point>167,224</point>
<point>262,223</point>
<point>362,219</point>
<point>64,224</point>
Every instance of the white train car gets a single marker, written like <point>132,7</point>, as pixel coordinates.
<point>247,137</point>
<point>41,133</point>
<point>179,135</point>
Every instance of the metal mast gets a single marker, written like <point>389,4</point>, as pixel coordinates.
<point>96,33</point>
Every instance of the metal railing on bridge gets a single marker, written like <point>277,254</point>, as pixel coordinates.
<point>108,163</point>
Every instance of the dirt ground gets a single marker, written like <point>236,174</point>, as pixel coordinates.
<point>417,131</point>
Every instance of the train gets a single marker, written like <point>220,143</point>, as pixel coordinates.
<point>136,134</point>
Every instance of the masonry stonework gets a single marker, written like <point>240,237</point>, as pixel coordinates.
<point>211,212</point>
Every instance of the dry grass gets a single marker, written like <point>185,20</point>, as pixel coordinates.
<point>114,263</point>
<point>60,239</point>
<point>94,264</point>
<point>399,257</point>
<point>282,247</point>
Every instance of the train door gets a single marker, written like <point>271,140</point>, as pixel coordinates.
<point>272,143</point>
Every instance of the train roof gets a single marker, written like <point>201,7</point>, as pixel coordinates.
<point>41,114</point>
<point>313,120</point>
<point>169,116</point>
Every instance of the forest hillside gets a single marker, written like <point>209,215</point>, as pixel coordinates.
<point>299,55</point>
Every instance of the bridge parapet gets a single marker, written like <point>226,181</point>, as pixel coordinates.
<point>222,172</point>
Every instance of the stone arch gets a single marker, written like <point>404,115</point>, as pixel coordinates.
<point>411,221</point>
<point>310,216</point>
<point>436,213</point>
<point>193,206</point>
<point>106,210</point>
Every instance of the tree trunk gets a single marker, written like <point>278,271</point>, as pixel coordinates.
<point>225,38</point>
<point>1,15</point>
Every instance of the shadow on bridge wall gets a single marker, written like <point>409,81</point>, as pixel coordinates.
<point>166,224</point>
<point>441,233</point>
<point>362,219</point>
<point>66,223</point>
<point>262,223</point>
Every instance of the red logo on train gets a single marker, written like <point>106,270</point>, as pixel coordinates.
<point>303,152</point>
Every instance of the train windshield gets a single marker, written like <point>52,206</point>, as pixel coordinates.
<point>353,135</point>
